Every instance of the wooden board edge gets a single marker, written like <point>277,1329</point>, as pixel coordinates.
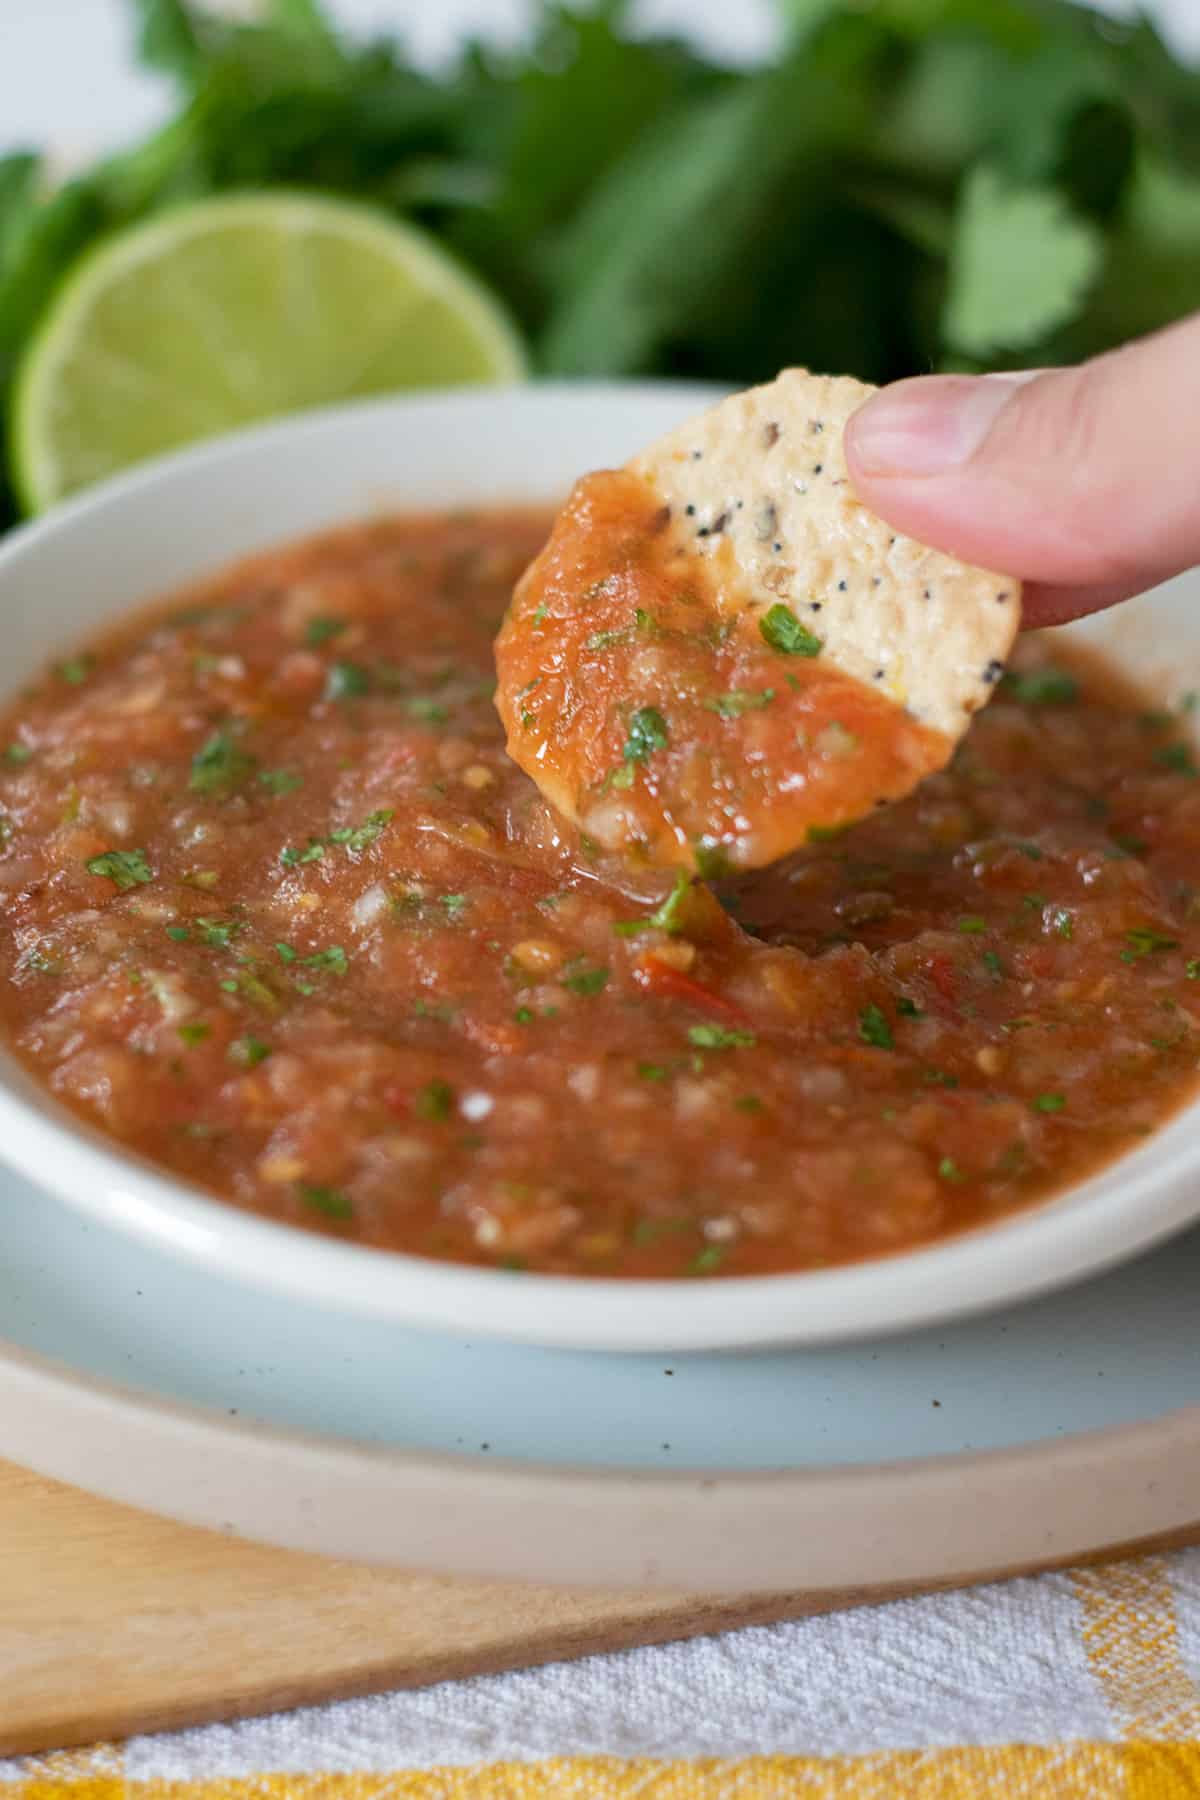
<point>686,1617</point>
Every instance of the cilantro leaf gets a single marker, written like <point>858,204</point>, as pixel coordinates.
<point>280,781</point>
<point>76,669</point>
<point>359,837</point>
<point>873,1028</point>
<point>435,1101</point>
<point>126,868</point>
<point>1042,687</point>
<point>581,979</point>
<point>327,1200</point>
<point>318,631</point>
<point>719,1037</point>
<point>219,766</point>
<point>292,858</point>
<point>334,960</point>
<point>1143,940</point>
<point>169,37</point>
<point>780,628</point>
<point>739,701</point>
<point>346,681</point>
<point>647,732</point>
<point>18,195</point>
<point>1020,264</point>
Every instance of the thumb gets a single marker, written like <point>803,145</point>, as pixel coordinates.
<point>1084,482</point>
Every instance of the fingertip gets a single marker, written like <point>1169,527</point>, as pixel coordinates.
<point>1047,604</point>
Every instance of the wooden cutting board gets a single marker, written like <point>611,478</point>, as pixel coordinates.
<point>114,1622</point>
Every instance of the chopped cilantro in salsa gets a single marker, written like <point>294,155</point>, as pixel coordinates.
<point>780,628</point>
<point>1177,757</point>
<point>582,979</point>
<point>334,960</point>
<point>330,1201</point>
<point>647,732</point>
<point>434,1101</point>
<point>293,858</point>
<point>280,781</point>
<point>1042,687</point>
<point>426,708</point>
<point>873,1028</point>
<point>319,631</point>
<point>720,1037</point>
<point>739,701</point>
<point>127,868</point>
<point>346,681</point>
<point>359,837</point>
<point>220,766</point>
<point>1143,940</point>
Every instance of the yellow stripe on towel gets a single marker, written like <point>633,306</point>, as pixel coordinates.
<point>1076,1772</point>
<point>1132,1644</point>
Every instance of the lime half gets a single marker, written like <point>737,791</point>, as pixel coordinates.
<point>237,309</point>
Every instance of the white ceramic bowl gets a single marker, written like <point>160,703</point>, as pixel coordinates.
<point>149,532</point>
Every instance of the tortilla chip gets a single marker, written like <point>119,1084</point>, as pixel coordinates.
<point>720,653</point>
<point>763,476</point>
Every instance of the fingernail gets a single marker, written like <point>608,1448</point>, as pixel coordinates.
<point>930,425</point>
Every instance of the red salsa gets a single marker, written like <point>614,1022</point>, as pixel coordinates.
<point>282,916</point>
<point>670,727</point>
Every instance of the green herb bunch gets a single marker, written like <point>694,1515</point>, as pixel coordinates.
<point>906,185</point>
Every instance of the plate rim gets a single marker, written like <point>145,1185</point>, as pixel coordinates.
<point>905,1521</point>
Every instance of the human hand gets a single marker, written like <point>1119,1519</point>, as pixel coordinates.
<point>1083,482</point>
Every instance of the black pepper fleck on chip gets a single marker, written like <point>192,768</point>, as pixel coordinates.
<point>816,605</point>
<point>817,467</point>
<point>697,455</point>
<point>690,510</point>
<point>842,587</point>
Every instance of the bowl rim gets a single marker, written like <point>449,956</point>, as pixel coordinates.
<point>1078,1232</point>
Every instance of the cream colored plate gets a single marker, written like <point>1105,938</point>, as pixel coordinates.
<point>1042,1433</point>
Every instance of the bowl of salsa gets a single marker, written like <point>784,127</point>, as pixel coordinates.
<point>301,976</point>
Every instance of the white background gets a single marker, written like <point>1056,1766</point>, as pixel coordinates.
<point>67,76</point>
